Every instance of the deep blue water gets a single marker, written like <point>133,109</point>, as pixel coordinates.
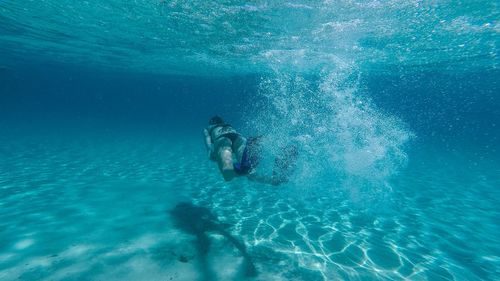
<point>394,108</point>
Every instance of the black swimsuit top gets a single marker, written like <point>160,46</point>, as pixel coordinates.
<point>220,130</point>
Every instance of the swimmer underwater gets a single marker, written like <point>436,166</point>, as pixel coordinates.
<point>239,156</point>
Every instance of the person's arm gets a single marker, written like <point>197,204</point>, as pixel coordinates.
<point>209,144</point>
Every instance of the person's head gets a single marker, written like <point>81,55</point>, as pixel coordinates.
<point>215,120</point>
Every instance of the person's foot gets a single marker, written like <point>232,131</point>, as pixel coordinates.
<point>228,174</point>
<point>278,180</point>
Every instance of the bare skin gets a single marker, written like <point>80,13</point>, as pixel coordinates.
<point>223,151</point>
<point>227,147</point>
<point>225,161</point>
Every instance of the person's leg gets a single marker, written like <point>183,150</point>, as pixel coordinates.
<point>239,144</point>
<point>284,164</point>
<point>224,157</point>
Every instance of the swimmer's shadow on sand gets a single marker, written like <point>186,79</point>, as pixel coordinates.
<point>199,222</point>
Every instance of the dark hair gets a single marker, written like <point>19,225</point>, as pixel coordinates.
<point>215,120</point>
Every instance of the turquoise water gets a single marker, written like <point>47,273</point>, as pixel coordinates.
<point>393,106</point>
